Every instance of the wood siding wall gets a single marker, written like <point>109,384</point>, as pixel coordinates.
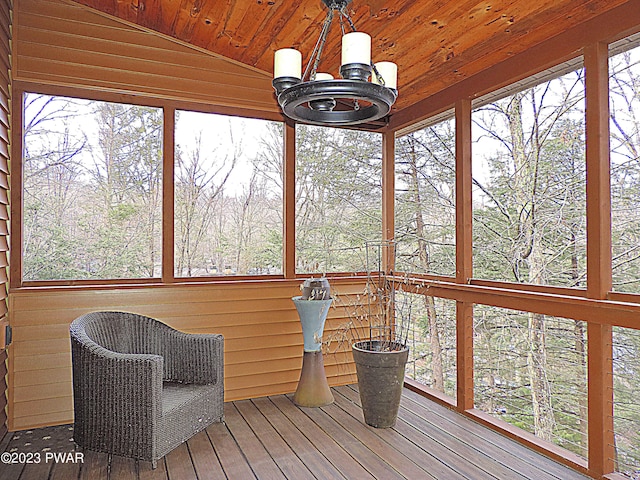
<point>5,94</point>
<point>263,338</point>
<point>64,44</point>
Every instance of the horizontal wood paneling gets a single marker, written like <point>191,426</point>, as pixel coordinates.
<point>263,337</point>
<point>63,44</point>
<point>41,378</point>
<point>53,418</point>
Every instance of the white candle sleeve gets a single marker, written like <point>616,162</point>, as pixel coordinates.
<point>356,48</point>
<point>389,73</point>
<point>287,62</point>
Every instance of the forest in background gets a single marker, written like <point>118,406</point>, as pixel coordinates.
<point>93,210</point>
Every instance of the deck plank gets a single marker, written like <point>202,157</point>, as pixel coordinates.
<point>495,445</point>
<point>147,472</point>
<point>455,437</point>
<point>205,461</point>
<point>263,465</point>
<point>95,466</point>
<point>65,471</point>
<point>456,454</point>
<point>387,450</point>
<point>10,471</point>
<point>281,453</point>
<point>416,449</point>
<point>271,438</point>
<point>325,444</point>
<point>301,446</point>
<point>122,468</point>
<point>354,446</point>
<point>231,457</point>
<point>36,471</point>
<point>179,464</point>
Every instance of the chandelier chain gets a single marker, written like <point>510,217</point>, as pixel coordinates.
<point>317,50</point>
<point>345,14</point>
<point>377,74</point>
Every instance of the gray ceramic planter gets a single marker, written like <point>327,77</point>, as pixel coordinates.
<point>380,381</point>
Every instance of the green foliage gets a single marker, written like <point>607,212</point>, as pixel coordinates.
<point>338,198</point>
<point>92,198</point>
<point>425,200</point>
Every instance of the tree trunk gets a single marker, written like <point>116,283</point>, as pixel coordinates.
<point>528,250</point>
<point>436,348</point>
<point>543,418</point>
<point>579,333</point>
<point>423,256</point>
<point>580,337</point>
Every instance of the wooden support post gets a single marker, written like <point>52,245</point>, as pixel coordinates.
<point>598,172</point>
<point>464,353</point>
<point>289,195</point>
<point>599,277</point>
<point>15,239</point>
<point>168,195</point>
<point>600,379</point>
<point>464,207</point>
<point>388,199</point>
<point>464,252</point>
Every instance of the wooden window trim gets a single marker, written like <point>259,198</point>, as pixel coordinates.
<point>289,197</point>
<point>168,194</point>
<point>20,88</point>
<point>596,304</point>
<point>599,261</point>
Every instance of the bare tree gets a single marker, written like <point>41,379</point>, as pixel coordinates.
<point>535,212</point>
<point>200,184</point>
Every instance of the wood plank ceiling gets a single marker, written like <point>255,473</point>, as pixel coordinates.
<point>435,43</point>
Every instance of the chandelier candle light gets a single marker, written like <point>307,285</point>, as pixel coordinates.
<point>365,92</point>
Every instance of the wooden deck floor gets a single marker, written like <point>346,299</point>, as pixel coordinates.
<point>271,438</point>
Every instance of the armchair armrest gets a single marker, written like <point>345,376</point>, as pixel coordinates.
<point>115,396</point>
<point>194,358</point>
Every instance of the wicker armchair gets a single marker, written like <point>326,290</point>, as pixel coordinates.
<point>140,387</point>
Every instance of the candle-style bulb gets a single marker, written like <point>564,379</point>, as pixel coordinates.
<point>356,48</point>
<point>389,73</point>
<point>287,62</point>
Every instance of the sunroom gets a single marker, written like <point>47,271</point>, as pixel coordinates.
<point>147,167</point>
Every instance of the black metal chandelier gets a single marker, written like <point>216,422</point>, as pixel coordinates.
<point>318,98</point>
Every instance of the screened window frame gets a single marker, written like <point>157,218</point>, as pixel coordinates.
<point>168,108</point>
<point>596,304</point>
